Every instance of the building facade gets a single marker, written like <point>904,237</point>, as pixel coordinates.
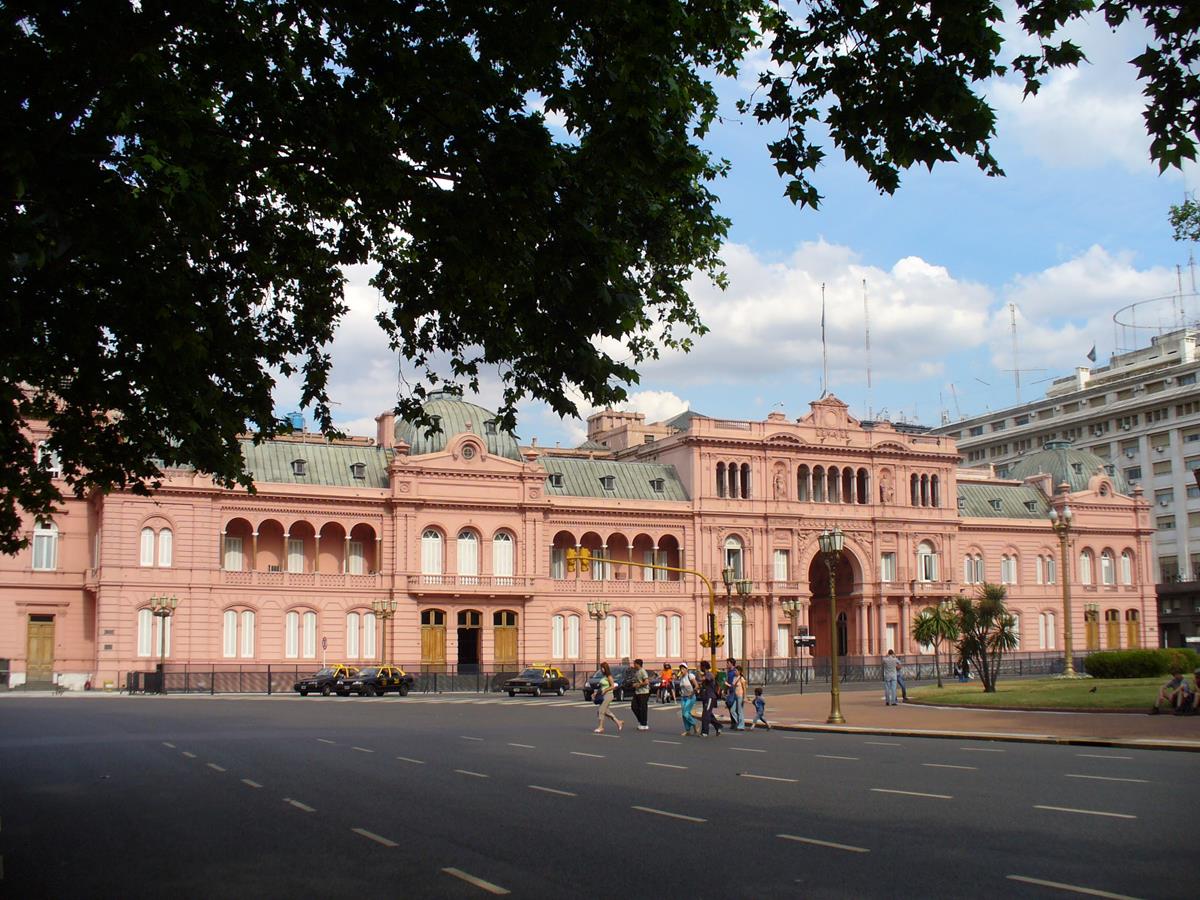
<point>468,533</point>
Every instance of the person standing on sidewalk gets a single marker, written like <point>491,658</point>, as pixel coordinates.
<point>739,699</point>
<point>641,695</point>
<point>900,680</point>
<point>891,670</point>
<point>709,695</point>
<point>730,693</point>
<point>606,687</point>
<point>685,684</point>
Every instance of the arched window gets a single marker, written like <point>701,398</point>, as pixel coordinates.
<point>468,557</point>
<point>803,484</point>
<point>847,485</point>
<point>145,633</point>
<point>834,488</point>
<point>48,458</point>
<point>733,556</point>
<point>935,491</point>
<point>1127,568</point>
<point>356,560</point>
<point>291,635</point>
<point>237,634</point>
<point>1008,569</point>
<point>557,633</point>
<point>737,635</point>
<point>1046,630</point>
<point>625,635</point>
<point>229,634</point>
<point>502,557</point>
<point>733,481</point>
<point>295,555</point>
<point>431,556</point>
<point>968,569</point>
<point>247,636</point>
<point>927,569</point>
<point>610,636</point>
<point>1039,571</point>
<point>745,481</point>
<point>572,636</point>
<point>1085,567</point>
<point>1051,570</point>
<point>1112,629</point>
<point>300,634</point>
<point>1133,631</point>
<point>915,490</point>
<point>1016,630</point>
<point>45,546</point>
<point>232,553</point>
<point>660,637</point>
<point>924,490</point>
<point>720,479</point>
<point>1108,567</point>
<point>352,631</point>
<point>864,486</point>
<point>166,549</point>
<point>818,484</point>
<point>310,635</point>
<point>146,548</point>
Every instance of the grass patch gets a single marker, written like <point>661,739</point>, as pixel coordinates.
<point>1050,693</point>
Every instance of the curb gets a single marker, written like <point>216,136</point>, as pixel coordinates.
<point>1122,710</point>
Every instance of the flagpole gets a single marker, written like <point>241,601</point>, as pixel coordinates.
<point>824,348</point>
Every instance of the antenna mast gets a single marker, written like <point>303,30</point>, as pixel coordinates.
<point>1012,316</point>
<point>867,330</point>
<point>824,348</point>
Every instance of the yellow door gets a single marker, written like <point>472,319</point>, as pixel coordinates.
<point>39,649</point>
<point>506,645</point>
<point>433,646</point>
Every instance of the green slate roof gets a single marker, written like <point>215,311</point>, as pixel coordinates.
<point>631,480</point>
<point>683,421</point>
<point>455,416</point>
<point>975,501</point>
<point>325,464</point>
<point>1062,462</point>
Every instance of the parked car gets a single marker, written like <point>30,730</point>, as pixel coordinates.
<point>623,676</point>
<point>326,680</point>
<point>538,680</point>
<point>375,681</point>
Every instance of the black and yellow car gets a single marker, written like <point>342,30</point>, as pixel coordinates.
<point>326,681</point>
<point>375,681</point>
<point>538,680</point>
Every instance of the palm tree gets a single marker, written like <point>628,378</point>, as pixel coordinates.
<point>931,626</point>
<point>988,631</point>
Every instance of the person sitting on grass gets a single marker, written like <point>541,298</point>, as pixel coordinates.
<point>1173,694</point>
<point>1189,705</point>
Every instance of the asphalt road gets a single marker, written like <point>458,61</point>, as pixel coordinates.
<point>456,797</point>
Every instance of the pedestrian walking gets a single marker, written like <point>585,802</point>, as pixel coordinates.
<point>606,688</point>
<point>666,684</point>
<point>891,667</point>
<point>709,695</point>
<point>641,695</point>
<point>760,710</point>
<point>731,675</point>
<point>900,680</point>
<point>739,698</point>
<point>685,685</point>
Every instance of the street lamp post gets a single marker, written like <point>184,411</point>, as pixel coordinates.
<point>384,610</point>
<point>598,612</point>
<point>831,543</point>
<point>791,609</point>
<point>743,587</point>
<point>1061,523</point>
<point>163,608</point>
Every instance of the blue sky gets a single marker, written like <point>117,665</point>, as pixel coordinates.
<point>1077,229</point>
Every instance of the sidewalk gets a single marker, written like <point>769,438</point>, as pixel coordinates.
<point>865,713</point>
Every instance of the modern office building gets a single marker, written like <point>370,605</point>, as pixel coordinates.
<point>466,533</point>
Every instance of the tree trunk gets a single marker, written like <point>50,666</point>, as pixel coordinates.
<point>937,668</point>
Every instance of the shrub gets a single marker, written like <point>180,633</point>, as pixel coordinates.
<point>1140,663</point>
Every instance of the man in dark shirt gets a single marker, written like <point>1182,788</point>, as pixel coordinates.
<point>641,695</point>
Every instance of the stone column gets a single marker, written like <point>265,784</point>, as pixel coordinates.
<point>253,550</point>
<point>346,555</point>
<point>905,625</point>
<point>864,612</point>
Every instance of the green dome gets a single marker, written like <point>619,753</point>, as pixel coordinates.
<point>456,416</point>
<point>1062,462</point>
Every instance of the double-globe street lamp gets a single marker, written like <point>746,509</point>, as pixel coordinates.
<point>743,587</point>
<point>791,609</point>
<point>163,608</point>
<point>1061,523</point>
<point>598,612</point>
<point>384,610</point>
<point>831,542</point>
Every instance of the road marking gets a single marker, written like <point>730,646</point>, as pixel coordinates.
<point>669,815</point>
<point>804,840</point>
<point>1109,778</point>
<point>912,793</point>
<point>468,738</point>
<point>592,755</point>
<point>538,787</point>
<point>1102,756</point>
<point>478,882</point>
<point>362,749</point>
<point>409,759</point>
<point>1073,888</point>
<point>215,767</point>
<point>827,756</point>
<point>253,784</point>
<point>298,804</point>
<point>665,765</point>
<point>1085,812</point>
<point>168,744</point>
<point>883,744</point>
<point>602,734</point>
<point>793,737</point>
<point>189,755</point>
<point>769,778</point>
<point>672,743</point>
<point>948,766</point>
<point>982,749</point>
<point>372,836</point>
<point>326,741</point>
<point>747,750</point>
<point>522,746</point>
<point>472,774</point>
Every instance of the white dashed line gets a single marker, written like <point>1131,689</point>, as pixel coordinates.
<point>301,806</point>
<point>827,756</point>
<point>253,784</point>
<point>522,746</point>
<point>747,750</point>
<point>883,744</point>
<point>409,759</point>
<point>948,766</point>
<point>472,774</point>
<point>549,790</point>
<point>1102,756</point>
<point>326,741</point>
<point>1109,778</point>
<point>912,793</point>
<point>478,882</point>
<point>592,755</point>
<point>665,765</point>
<point>1085,812</point>
<point>215,767</point>
<point>814,841</point>
<point>362,749</point>
<point>1073,888</point>
<point>669,815</point>
<point>672,743</point>
<point>468,738</point>
<point>372,836</point>
<point>769,778</point>
<point>189,755</point>
<point>794,737</point>
<point>168,744</point>
<point>983,749</point>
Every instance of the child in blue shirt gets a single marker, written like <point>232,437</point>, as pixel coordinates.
<point>760,710</point>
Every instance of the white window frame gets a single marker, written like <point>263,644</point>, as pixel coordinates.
<point>356,560</point>
<point>229,629</point>
<point>467,550</point>
<point>145,632</point>
<point>735,556</point>
<point>295,555</point>
<point>626,637</point>
<point>146,547</point>
<point>291,635</point>
<point>231,557</point>
<point>1017,629</point>
<point>1051,570</point>
<point>310,634</point>
<point>246,639</point>
<point>370,627</point>
<point>1085,567</point>
<point>573,636</point>
<point>557,630</point>
<point>610,636</point>
<point>1127,567</point>
<point>660,636</point>
<point>926,562</point>
<point>432,557</point>
<point>503,557</point>
<point>353,624</point>
<point>781,560</point>
<point>45,547</point>
<point>1108,568</point>
<point>166,547</point>
<point>887,567</point>
<point>675,636</point>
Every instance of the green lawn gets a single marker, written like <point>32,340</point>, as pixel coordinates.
<point>1049,693</point>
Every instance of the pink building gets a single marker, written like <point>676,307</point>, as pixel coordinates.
<point>468,532</point>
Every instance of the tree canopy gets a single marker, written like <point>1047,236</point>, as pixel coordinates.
<point>186,181</point>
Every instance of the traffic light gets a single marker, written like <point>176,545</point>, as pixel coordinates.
<point>581,559</point>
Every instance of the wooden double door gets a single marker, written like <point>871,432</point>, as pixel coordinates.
<point>39,649</point>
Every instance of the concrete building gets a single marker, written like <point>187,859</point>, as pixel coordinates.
<point>468,533</point>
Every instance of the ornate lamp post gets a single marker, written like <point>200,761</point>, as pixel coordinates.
<point>598,612</point>
<point>1061,523</point>
<point>163,608</point>
<point>831,543</point>
<point>791,609</point>
<point>384,609</point>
